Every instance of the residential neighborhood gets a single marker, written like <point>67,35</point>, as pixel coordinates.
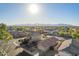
<point>39,29</point>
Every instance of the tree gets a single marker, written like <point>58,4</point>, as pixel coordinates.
<point>3,27</point>
<point>4,34</point>
<point>61,33</point>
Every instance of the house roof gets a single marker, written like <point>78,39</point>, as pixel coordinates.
<point>45,44</point>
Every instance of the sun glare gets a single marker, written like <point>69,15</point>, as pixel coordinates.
<point>33,8</point>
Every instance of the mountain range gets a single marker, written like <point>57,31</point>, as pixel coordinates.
<point>43,25</point>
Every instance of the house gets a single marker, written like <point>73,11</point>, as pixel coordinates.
<point>46,44</point>
<point>18,34</point>
<point>54,42</point>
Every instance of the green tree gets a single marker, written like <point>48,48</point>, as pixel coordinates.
<point>3,27</point>
<point>4,34</point>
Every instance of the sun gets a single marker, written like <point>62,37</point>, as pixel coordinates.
<point>33,8</point>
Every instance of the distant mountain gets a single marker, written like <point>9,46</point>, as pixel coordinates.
<point>43,25</point>
<point>60,25</point>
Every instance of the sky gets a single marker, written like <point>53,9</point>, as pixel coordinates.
<point>51,13</point>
